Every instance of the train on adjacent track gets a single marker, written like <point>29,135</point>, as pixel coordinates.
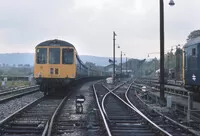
<point>57,63</point>
<point>187,70</point>
<point>191,64</point>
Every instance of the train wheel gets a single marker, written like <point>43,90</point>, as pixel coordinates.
<point>45,90</point>
<point>40,88</point>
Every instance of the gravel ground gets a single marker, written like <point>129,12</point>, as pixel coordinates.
<point>75,124</point>
<point>13,105</point>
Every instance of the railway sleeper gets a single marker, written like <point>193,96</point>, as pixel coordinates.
<point>72,123</point>
<point>113,117</point>
<point>133,126</point>
<point>132,132</point>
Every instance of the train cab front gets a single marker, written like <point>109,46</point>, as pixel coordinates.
<point>54,67</point>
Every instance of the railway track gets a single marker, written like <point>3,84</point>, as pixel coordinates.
<point>177,115</point>
<point>182,111</point>
<point>168,123</point>
<point>169,88</point>
<point>62,123</point>
<point>33,119</point>
<point>13,88</point>
<point>69,121</point>
<point>123,118</point>
<point>11,94</point>
<point>195,114</point>
<point>168,82</point>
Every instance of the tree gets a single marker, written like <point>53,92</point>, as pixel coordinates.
<point>193,34</point>
<point>170,60</point>
<point>141,62</point>
<point>1,72</point>
<point>90,64</point>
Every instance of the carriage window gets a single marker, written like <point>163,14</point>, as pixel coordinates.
<point>41,55</point>
<point>67,56</point>
<point>193,51</point>
<point>54,55</point>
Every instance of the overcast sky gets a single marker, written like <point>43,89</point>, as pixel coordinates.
<point>88,24</point>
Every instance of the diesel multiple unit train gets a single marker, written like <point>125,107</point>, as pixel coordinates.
<point>57,63</point>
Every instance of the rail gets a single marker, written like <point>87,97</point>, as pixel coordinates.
<point>100,109</point>
<point>19,111</point>
<point>102,103</point>
<point>47,120</point>
<point>5,96</point>
<point>15,90</point>
<point>139,112</point>
<point>49,125</point>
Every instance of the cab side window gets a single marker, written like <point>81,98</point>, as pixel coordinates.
<point>54,55</point>
<point>192,59</point>
<point>41,55</point>
<point>193,51</point>
<point>67,56</point>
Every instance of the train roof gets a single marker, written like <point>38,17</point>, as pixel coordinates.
<point>55,42</point>
<point>192,42</point>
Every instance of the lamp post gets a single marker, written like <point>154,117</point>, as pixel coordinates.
<point>114,56</point>
<point>171,3</point>
<point>126,63</point>
<point>121,62</point>
<point>121,51</point>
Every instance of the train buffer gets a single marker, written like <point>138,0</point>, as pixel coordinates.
<point>79,103</point>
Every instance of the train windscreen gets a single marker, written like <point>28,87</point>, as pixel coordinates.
<point>54,55</point>
<point>41,55</point>
<point>67,56</point>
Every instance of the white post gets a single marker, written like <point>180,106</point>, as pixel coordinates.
<point>5,81</point>
<point>189,108</point>
<point>169,101</point>
<point>175,107</point>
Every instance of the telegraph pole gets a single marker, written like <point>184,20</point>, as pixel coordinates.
<point>126,65</point>
<point>121,63</point>
<point>114,56</point>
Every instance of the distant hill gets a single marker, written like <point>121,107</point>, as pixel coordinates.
<point>17,58</point>
<point>28,58</point>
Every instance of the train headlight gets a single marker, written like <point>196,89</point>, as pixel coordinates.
<point>39,74</point>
